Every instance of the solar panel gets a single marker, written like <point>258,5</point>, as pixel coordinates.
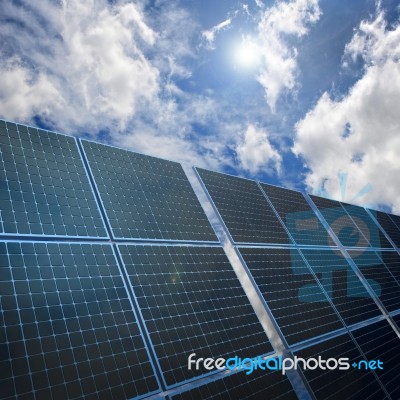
<point>67,329</point>
<point>380,342</point>
<point>146,197</point>
<point>297,215</point>
<point>340,384</point>
<point>341,223</point>
<point>367,226</point>
<point>244,209</point>
<point>192,302</point>
<point>300,307</point>
<point>379,276</point>
<point>388,225</point>
<point>342,285</point>
<point>392,262</point>
<point>258,385</point>
<point>44,186</point>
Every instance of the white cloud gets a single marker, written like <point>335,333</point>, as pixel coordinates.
<point>209,35</point>
<point>359,134</point>
<point>255,152</point>
<point>279,66</point>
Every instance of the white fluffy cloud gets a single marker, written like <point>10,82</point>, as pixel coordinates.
<point>279,66</point>
<point>359,134</point>
<point>210,34</point>
<point>255,152</point>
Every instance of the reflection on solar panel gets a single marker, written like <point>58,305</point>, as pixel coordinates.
<point>243,208</point>
<point>44,189</point>
<point>258,385</point>
<point>192,302</point>
<point>342,285</point>
<point>387,223</point>
<point>340,384</point>
<point>67,326</point>
<point>379,276</point>
<point>367,226</point>
<point>297,215</point>
<point>146,197</point>
<point>380,342</point>
<point>299,306</point>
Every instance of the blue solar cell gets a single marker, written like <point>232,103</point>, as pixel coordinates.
<point>192,302</point>
<point>68,329</point>
<point>387,222</point>
<point>300,307</point>
<point>146,197</point>
<point>243,209</point>
<point>44,189</point>
<point>297,215</point>
<point>351,384</point>
<point>258,385</point>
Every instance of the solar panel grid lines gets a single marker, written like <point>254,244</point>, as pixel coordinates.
<point>337,384</point>
<point>243,209</point>
<point>45,189</point>
<point>297,301</point>
<point>146,198</point>
<point>192,302</point>
<point>260,384</point>
<point>340,222</point>
<point>344,287</point>
<point>381,278</point>
<point>297,215</point>
<point>388,225</point>
<point>367,226</point>
<point>69,330</point>
<point>380,342</point>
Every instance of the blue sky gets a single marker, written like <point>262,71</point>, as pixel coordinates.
<point>299,93</point>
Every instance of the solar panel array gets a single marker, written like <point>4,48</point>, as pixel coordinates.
<point>111,276</point>
<point>330,288</point>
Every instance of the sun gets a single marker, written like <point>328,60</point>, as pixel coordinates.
<point>247,53</point>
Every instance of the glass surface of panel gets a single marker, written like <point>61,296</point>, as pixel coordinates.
<point>244,209</point>
<point>297,302</point>
<point>44,188</point>
<point>192,302</point>
<point>146,197</point>
<point>67,329</point>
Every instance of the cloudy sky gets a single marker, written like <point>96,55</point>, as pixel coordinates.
<point>298,93</point>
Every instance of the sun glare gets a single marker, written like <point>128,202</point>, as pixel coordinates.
<point>247,54</point>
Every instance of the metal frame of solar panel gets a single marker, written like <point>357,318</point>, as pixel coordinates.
<point>146,198</point>
<point>386,222</point>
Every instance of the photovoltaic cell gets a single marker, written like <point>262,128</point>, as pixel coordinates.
<point>392,262</point>
<point>192,302</point>
<point>367,226</point>
<point>380,342</point>
<point>67,329</point>
<point>342,285</point>
<point>258,385</point>
<point>146,197</point>
<point>297,302</point>
<point>379,276</point>
<point>297,215</point>
<point>341,223</point>
<point>351,384</point>
<point>44,189</point>
<point>389,226</point>
<point>244,209</point>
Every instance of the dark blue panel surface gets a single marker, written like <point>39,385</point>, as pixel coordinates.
<point>244,209</point>
<point>387,222</point>
<point>146,197</point>
<point>350,384</point>
<point>192,302</point>
<point>44,189</point>
<point>297,215</point>
<point>259,385</point>
<point>300,307</point>
<point>67,329</point>
<point>344,288</point>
